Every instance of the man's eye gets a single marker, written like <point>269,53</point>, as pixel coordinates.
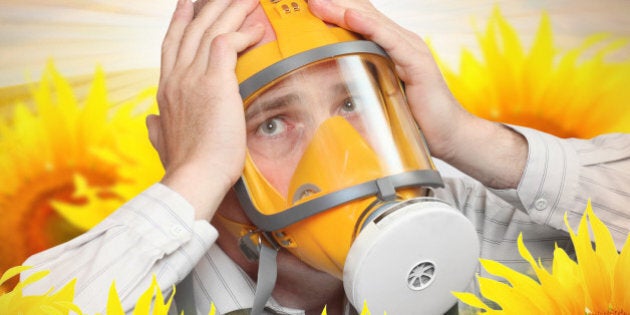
<point>348,105</point>
<point>272,127</point>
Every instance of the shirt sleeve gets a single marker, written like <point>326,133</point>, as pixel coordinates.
<point>154,234</point>
<point>561,175</point>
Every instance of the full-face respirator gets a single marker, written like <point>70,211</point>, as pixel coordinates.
<point>338,173</point>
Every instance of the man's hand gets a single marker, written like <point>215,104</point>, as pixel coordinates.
<point>490,152</point>
<point>200,132</point>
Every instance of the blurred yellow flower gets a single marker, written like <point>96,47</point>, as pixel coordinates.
<point>598,283</point>
<point>579,93</point>
<point>67,165</point>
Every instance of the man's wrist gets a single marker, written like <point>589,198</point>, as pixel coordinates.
<point>201,189</point>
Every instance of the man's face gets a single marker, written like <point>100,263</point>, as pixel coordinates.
<point>282,120</point>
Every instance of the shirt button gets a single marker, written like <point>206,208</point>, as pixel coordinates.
<point>177,231</point>
<point>541,204</point>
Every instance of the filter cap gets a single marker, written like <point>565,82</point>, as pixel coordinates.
<point>410,261</point>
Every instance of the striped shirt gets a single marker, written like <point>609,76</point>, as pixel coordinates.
<point>155,233</point>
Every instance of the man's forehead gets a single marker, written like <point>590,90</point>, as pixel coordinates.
<point>318,78</point>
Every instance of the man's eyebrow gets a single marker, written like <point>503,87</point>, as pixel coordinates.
<point>270,105</point>
<point>340,87</point>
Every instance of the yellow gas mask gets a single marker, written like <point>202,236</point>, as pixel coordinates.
<point>338,173</point>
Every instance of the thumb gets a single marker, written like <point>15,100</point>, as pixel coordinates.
<point>153,127</point>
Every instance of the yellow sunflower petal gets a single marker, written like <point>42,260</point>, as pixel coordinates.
<point>472,69</point>
<point>524,252</point>
<point>12,272</point>
<point>621,292</point>
<point>511,301</point>
<point>512,45</point>
<point>537,63</point>
<point>365,310</point>
<point>68,307</point>
<point>519,282</point>
<point>605,247</point>
<point>168,304</point>
<point>67,292</point>
<point>85,216</point>
<point>595,274</point>
<point>471,300</point>
<point>31,279</point>
<point>62,300</point>
<point>551,287</point>
<point>568,274</point>
<point>159,306</point>
<point>143,305</point>
<point>114,306</point>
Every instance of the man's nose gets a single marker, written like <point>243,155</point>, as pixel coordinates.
<point>319,112</point>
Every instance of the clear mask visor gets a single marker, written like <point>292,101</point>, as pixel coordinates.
<point>325,127</point>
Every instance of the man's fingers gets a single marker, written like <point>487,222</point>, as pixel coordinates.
<point>406,49</point>
<point>335,11</point>
<point>229,21</point>
<point>224,48</point>
<point>195,30</point>
<point>170,46</point>
<point>328,11</point>
<point>360,17</point>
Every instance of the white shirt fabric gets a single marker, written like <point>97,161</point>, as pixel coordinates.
<point>155,233</point>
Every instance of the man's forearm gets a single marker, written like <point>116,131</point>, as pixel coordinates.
<point>490,152</point>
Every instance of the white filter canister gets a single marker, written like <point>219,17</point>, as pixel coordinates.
<point>409,261</point>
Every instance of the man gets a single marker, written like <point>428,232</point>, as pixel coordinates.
<point>202,137</point>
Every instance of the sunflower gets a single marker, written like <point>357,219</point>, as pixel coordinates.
<point>67,165</point>
<point>596,284</point>
<point>578,93</point>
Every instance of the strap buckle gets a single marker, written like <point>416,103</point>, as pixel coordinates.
<point>251,243</point>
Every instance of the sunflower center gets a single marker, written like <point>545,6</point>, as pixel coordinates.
<point>29,212</point>
<point>43,225</point>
